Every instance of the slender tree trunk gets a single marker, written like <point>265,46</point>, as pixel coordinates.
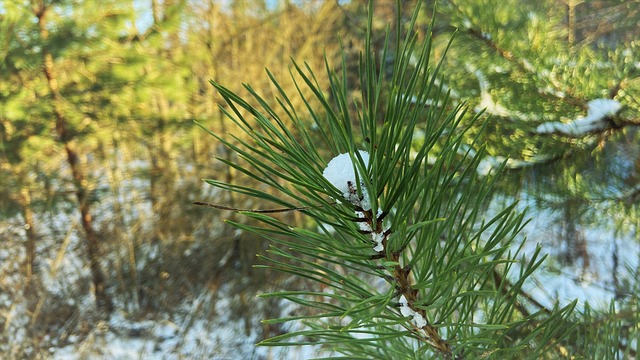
<point>32,290</point>
<point>571,26</point>
<point>27,214</point>
<point>155,11</point>
<point>574,239</point>
<point>92,238</point>
<point>33,282</point>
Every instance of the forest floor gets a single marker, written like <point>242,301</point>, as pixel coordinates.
<point>206,327</point>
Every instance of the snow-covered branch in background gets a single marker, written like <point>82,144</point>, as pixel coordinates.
<point>490,164</point>
<point>426,102</point>
<point>487,104</point>
<point>596,120</point>
<point>420,101</point>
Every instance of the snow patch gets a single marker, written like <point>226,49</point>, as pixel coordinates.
<point>487,103</point>
<point>406,311</point>
<point>377,236</point>
<point>424,102</point>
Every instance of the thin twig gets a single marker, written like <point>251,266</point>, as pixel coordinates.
<point>259,211</point>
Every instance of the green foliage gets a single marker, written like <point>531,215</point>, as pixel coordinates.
<point>131,78</point>
<point>464,279</point>
<point>527,64</point>
<point>612,328</point>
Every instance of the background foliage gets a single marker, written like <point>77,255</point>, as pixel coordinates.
<point>100,160</point>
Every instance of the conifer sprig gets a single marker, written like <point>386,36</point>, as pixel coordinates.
<point>406,261</point>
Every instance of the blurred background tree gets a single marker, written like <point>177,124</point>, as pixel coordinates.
<point>100,160</point>
<point>537,71</point>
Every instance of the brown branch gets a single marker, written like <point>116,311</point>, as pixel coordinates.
<point>402,278</point>
<point>499,280</point>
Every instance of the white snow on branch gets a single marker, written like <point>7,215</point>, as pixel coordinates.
<point>486,100</point>
<point>425,102</point>
<point>489,164</point>
<point>377,238</point>
<point>417,319</point>
<point>487,104</point>
<point>376,235</point>
<point>342,174</point>
<point>599,110</point>
<point>420,101</point>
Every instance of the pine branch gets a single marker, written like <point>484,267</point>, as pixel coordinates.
<point>418,214</point>
<point>401,281</point>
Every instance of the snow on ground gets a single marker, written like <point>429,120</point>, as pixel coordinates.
<point>224,337</point>
<point>554,281</point>
<point>189,336</point>
<point>189,333</point>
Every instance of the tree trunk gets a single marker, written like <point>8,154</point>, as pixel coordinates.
<point>92,239</point>
<point>27,214</point>
<point>33,282</point>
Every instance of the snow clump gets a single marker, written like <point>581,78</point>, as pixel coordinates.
<point>341,173</point>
